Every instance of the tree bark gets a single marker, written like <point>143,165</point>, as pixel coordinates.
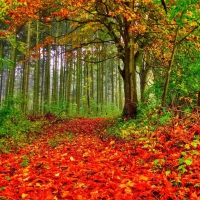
<point>36,77</point>
<point>78,81</point>
<point>26,71</point>
<point>129,74</point>
<point>170,69</point>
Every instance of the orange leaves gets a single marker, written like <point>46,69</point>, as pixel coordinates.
<point>48,40</point>
<point>88,168</point>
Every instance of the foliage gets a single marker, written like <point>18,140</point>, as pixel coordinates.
<point>25,161</point>
<point>150,117</point>
<point>14,125</point>
<point>106,110</point>
<point>163,165</point>
<point>12,119</point>
<point>103,27</point>
<point>59,139</point>
<point>5,62</point>
<point>185,80</point>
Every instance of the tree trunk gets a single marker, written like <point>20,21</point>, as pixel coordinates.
<point>1,71</point>
<point>130,95</point>
<point>55,70</point>
<point>61,80</point>
<point>47,78</point>
<point>88,89</point>
<point>170,69</point>
<point>112,83</point>
<point>129,74</point>
<point>11,78</point>
<point>36,77</point>
<point>26,71</point>
<point>69,85</point>
<point>92,81</point>
<point>144,71</point>
<point>42,85</point>
<point>78,81</point>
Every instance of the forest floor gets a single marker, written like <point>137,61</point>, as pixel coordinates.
<point>72,160</point>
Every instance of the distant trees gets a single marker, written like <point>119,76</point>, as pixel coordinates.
<point>71,51</point>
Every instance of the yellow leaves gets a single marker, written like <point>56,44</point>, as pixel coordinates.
<point>130,183</point>
<point>71,158</point>
<point>193,24</point>
<point>4,9</point>
<point>189,13</point>
<point>57,174</point>
<point>143,178</point>
<point>187,146</point>
<point>112,142</point>
<point>94,194</point>
<point>128,190</point>
<point>146,1</point>
<point>24,195</point>
<point>127,186</point>
<point>26,171</point>
<point>38,184</point>
<point>86,154</point>
<point>122,185</point>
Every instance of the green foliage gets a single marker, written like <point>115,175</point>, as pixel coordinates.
<point>25,161</point>
<point>5,145</point>
<point>12,120</point>
<point>165,117</point>
<point>69,136</point>
<point>4,62</point>
<point>185,81</point>
<point>149,119</point>
<point>184,162</point>
<point>55,109</point>
<point>58,139</point>
<point>21,46</point>
<point>53,143</point>
<point>106,110</point>
<point>158,163</point>
<point>14,125</point>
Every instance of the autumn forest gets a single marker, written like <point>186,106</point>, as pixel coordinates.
<point>99,99</point>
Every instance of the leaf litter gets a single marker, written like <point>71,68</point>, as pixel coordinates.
<point>81,166</point>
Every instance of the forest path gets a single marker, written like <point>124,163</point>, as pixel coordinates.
<point>72,162</point>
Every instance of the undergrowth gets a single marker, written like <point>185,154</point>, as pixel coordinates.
<point>15,129</point>
<point>149,119</point>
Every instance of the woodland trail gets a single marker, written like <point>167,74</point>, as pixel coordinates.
<point>81,166</point>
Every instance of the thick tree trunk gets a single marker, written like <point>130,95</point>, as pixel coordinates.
<point>130,102</point>
<point>130,93</point>
<point>129,73</point>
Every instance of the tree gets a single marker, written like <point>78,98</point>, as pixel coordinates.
<point>36,75</point>
<point>139,31</point>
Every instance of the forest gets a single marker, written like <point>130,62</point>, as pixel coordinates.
<point>99,99</point>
